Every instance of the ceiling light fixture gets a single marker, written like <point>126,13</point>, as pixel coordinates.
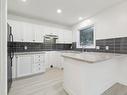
<point>59,11</point>
<point>80,18</point>
<point>24,0</point>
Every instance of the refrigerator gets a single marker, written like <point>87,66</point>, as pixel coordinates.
<point>10,55</point>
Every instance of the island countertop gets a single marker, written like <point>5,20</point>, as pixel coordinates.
<point>91,57</point>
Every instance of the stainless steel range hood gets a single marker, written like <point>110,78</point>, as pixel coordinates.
<point>50,39</point>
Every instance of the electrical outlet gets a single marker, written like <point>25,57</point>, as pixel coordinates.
<point>97,47</point>
<point>25,47</point>
<point>107,47</point>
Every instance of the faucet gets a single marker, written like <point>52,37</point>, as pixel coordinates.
<point>83,47</point>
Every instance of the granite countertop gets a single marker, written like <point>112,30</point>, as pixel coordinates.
<point>91,57</point>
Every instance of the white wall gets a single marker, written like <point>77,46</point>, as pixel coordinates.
<point>3,47</point>
<point>36,21</point>
<point>110,23</point>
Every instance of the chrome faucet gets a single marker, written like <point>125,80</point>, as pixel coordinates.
<point>83,47</point>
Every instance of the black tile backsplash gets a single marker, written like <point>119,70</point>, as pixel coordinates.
<point>31,47</point>
<point>116,45</point>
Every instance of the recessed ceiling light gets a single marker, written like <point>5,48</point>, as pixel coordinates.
<point>59,11</point>
<point>24,0</point>
<point>80,18</point>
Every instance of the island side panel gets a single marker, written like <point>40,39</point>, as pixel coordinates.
<point>81,78</point>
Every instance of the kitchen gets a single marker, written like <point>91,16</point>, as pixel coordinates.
<point>52,48</point>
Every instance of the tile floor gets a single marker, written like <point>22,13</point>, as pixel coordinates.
<point>49,83</point>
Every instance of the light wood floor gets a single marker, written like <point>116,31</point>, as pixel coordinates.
<point>49,83</point>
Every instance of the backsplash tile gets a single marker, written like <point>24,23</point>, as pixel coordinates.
<point>116,45</point>
<point>20,46</point>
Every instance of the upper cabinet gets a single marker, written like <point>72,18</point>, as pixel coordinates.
<point>28,32</point>
<point>39,33</point>
<point>17,30</point>
<point>67,36</point>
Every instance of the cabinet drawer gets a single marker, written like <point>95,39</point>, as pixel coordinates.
<point>39,58</point>
<point>38,67</point>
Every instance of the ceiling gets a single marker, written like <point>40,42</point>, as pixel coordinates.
<point>71,9</point>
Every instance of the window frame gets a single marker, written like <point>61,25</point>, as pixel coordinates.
<point>78,40</point>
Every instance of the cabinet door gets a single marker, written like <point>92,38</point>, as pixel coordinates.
<point>29,34</point>
<point>38,68</point>
<point>60,36</point>
<point>67,36</point>
<point>39,63</point>
<point>17,30</point>
<point>48,59</point>
<point>39,58</point>
<point>39,33</point>
<point>24,65</point>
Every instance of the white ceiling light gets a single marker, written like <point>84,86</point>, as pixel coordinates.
<point>24,0</point>
<point>80,18</point>
<point>59,11</point>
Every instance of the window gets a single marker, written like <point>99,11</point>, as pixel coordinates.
<point>86,37</point>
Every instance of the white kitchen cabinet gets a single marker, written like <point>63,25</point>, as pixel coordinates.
<point>67,35</point>
<point>28,32</point>
<point>24,65</point>
<point>17,30</point>
<point>39,64</point>
<point>60,36</point>
<point>48,61</point>
<point>22,31</point>
<point>28,64</point>
<point>53,58</point>
<point>64,36</point>
<point>39,33</point>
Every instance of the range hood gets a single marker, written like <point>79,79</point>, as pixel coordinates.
<point>50,39</point>
<point>51,36</point>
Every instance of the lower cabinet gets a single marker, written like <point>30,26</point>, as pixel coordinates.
<point>24,65</point>
<point>29,64</point>
<point>39,63</point>
<point>53,58</point>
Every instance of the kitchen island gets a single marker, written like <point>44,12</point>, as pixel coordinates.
<point>90,73</point>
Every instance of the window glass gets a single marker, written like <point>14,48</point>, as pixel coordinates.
<point>87,36</point>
